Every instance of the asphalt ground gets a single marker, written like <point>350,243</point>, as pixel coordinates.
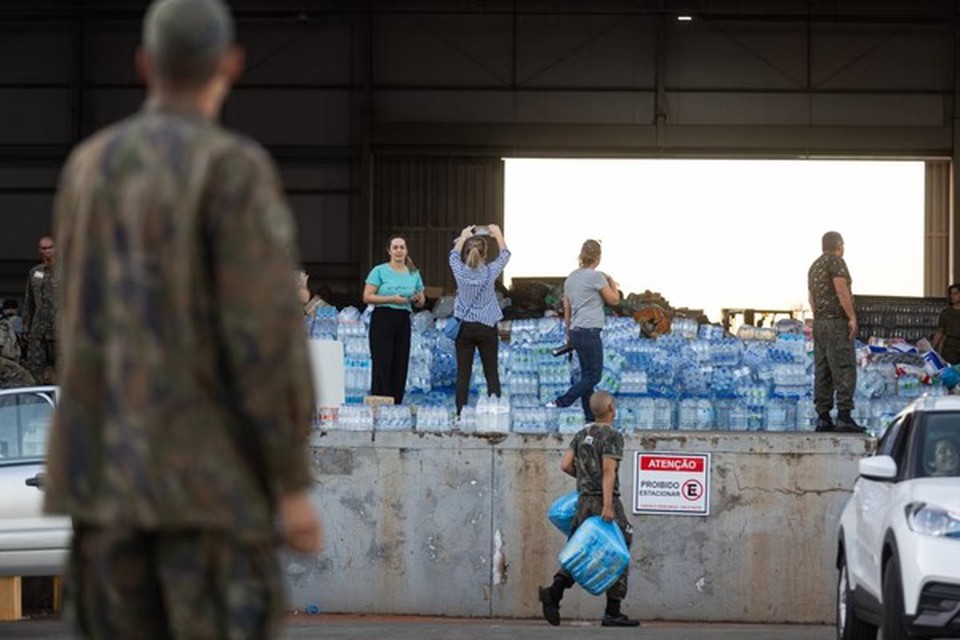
<point>352,627</point>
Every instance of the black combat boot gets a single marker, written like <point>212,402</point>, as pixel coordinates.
<point>824,422</point>
<point>551,596</point>
<point>846,423</point>
<point>612,617</point>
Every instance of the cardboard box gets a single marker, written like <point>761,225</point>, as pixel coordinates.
<point>375,402</point>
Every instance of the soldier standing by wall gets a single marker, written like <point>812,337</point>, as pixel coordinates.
<point>39,315</point>
<point>834,330</point>
<point>179,444</point>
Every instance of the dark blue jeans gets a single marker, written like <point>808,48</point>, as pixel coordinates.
<point>589,348</point>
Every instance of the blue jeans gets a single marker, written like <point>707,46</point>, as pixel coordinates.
<point>589,348</point>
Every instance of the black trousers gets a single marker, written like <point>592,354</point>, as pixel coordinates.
<point>389,352</point>
<point>476,335</point>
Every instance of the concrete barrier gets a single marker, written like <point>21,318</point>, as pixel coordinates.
<point>455,525</point>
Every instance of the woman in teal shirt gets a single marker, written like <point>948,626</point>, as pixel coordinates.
<point>393,287</point>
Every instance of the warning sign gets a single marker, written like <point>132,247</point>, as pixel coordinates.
<point>674,483</point>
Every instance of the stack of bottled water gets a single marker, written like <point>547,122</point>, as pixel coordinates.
<point>493,414</point>
<point>570,419</point>
<point>533,419</point>
<point>780,415</point>
<point>323,324</point>
<point>525,383</point>
<point>633,382</point>
<point>687,328</point>
<point>349,324</point>
<point>644,413</point>
<point>695,377</point>
<point>467,422</point>
<point>419,377</point>
<point>434,418</point>
<point>355,417</point>
<point>394,417</point>
<point>695,414</point>
<point>357,376</point>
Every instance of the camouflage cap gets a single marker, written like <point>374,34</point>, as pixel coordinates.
<point>185,37</point>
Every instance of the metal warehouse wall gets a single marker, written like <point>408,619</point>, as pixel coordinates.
<point>346,93</point>
<point>429,201</point>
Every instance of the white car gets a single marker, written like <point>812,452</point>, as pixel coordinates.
<point>899,536</point>
<point>31,544</point>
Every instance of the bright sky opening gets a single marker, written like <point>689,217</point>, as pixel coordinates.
<point>712,234</point>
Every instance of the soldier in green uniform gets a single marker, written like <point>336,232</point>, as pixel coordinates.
<point>594,460</point>
<point>179,444</point>
<point>834,329</point>
<point>39,315</point>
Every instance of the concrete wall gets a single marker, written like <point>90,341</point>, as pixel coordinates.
<point>455,525</point>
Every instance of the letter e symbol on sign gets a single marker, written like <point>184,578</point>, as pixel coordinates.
<point>692,490</point>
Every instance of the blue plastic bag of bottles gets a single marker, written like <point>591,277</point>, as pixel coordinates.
<point>595,555</point>
<point>562,510</point>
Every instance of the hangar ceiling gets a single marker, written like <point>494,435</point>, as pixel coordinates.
<point>439,89</point>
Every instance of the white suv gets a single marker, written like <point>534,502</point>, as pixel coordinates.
<point>899,537</point>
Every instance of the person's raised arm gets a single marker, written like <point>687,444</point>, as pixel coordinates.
<point>465,233</point>
<point>497,234</point>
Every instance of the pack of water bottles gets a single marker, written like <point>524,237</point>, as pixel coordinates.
<point>595,555</point>
<point>562,511</point>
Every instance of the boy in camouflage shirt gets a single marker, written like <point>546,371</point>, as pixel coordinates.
<point>594,460</point>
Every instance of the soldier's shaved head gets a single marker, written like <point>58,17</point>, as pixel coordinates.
<point>602,405</point>
<point>186,39</point>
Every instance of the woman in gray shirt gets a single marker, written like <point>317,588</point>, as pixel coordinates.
<point>584,294</point>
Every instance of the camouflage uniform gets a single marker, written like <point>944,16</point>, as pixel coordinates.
<point>835,363</point>
<point>590,446</point>
<point>13,375</point>
<point>39,321</point>
<point>186,390</point>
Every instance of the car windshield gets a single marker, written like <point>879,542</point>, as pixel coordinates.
<point>940,445</point>
<point>24,425</point>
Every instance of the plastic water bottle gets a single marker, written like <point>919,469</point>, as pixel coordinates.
<point>687,414</point>
<point>739,417</point>
<point>645,414</point>
<point>501,415</point>
<point>778,415</point>
<point>663,414</point>
<point>806,415</point>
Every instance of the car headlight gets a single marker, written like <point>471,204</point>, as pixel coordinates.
<point>933,521</point>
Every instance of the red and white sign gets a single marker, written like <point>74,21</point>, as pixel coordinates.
<point>672,483</point>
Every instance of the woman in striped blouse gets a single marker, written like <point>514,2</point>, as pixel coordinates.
<point>476,305</point>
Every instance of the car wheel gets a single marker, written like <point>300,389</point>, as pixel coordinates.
<point>849,625</point>
<point>894,623</point>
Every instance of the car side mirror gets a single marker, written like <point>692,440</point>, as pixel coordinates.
<point>878,468</point>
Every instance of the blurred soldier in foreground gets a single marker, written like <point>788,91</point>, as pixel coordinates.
<point>179,445</point>
<point>39,315</point>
